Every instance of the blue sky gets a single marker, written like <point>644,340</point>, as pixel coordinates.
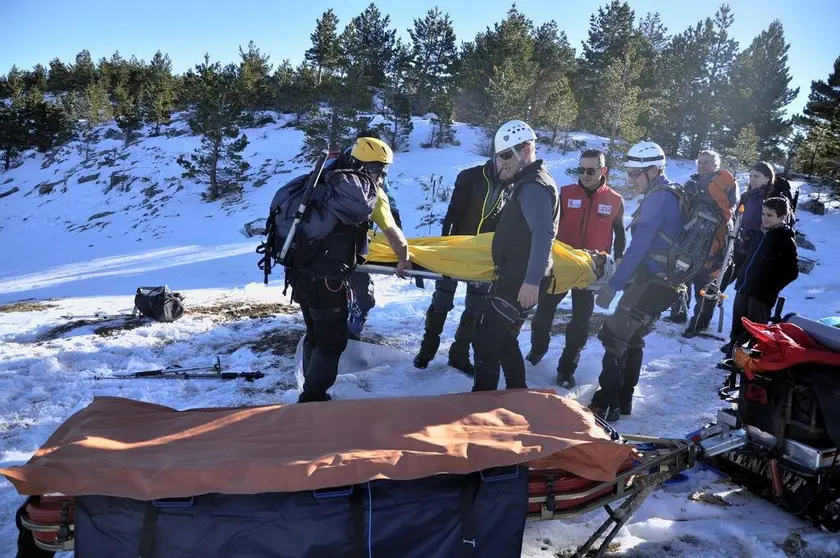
<point>38,31</point>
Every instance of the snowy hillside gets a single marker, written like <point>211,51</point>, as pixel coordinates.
<point>70,251</point>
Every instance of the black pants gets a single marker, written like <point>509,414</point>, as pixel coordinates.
<point>577,330</point>
<point>623,336</point>
<point>496,341</point>
<point>443,299</point>
<point>323,303</point>
<point>748,307</point>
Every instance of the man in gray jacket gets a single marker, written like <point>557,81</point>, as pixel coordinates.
<point>521,256</point>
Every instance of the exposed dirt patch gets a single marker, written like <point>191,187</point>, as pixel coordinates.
<point>113,330</point>
<point>110,327</point>
<point>236,310</point>
<point>563,316</point>
<point>26,306</point>
<point>279,342</point>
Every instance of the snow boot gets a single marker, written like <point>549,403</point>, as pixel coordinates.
<point>431,338</point>
<point>459,351</point>
<point>632,371</point>
<point>534,358</point>
<point>566,381</point>
<point>609,414</point>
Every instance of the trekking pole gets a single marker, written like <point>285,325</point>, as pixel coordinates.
<point>217,367</point>
<point>309,187</point>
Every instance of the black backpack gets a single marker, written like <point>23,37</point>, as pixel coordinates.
<point>692,247</point>
<point>159,303</point>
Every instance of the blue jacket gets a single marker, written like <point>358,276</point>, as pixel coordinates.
<point>659,212</point>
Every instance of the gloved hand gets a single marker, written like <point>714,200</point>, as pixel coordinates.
<point>605,297</point>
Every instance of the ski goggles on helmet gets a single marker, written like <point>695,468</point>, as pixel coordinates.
<point>376,169</point>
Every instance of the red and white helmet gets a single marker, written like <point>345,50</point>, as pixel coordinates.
<point>645,154</point>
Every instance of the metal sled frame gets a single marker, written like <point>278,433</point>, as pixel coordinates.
<point>656,465</point>
<point>431,275</point>
<point>66,531</point>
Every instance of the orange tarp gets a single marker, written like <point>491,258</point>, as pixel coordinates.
<point>121,447</point>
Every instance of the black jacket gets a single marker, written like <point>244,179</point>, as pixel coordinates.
<point>512,240</point>
<point>477,202</point>
<point>772,265</point>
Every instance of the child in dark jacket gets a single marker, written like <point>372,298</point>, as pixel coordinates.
<point>772,264</point>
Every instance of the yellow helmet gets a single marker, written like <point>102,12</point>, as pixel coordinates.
<point>372,150</point>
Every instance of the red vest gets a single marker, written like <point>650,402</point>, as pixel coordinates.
<point>587,222</point>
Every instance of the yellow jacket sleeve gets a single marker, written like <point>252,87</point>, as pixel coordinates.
<point>382,216</point>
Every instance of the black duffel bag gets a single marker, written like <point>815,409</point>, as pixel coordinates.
<point>159,303</point>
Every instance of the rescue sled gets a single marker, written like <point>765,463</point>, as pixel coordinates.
<point>441,476</point>
<point>783,388</point>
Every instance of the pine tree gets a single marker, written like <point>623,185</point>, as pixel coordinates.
<point>367,46</point>
<point>128,111</point>
<point>297,90</point>
<point>83,72</point>
<point>398,119</point>
<point>95,109</point>
<point>434,58</point>
<point>48,123</point>
<point>159,92</point>
<point>561,109</point>
<point>745,148</point>
<point>327,128</point>
<point>399,68</point>
<point>36,79</point>
<point>14,132</point>
<point>498,74</point>
<point>58,78</point>
<point>651,43</point>
<point>822,125</point>
<point>760,92</point>
<point>325,53</point>
<point>218,161</point>
<point>551,98</point>
<point>720,52</point>
<point>611,31</point>
<point>618,98</point>
<point>255,79</point>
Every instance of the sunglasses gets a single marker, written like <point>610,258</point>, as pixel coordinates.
<point>635,173</point>
<point>587,170</point>
<point>505,155</point>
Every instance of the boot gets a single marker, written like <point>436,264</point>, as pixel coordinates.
<point>534,358</point>
<point>459,357</point>
<point>609,413</point>
<point>632,371</point>
<point>431,338</point>
<point>566,368</point>
<point>459,351</point>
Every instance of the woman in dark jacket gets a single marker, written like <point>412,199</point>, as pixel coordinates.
<point>770,267</point>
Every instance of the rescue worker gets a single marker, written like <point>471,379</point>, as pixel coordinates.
<point>320,285</point>
<point>641,275</point>
<point>361,284</point>
<point>475,207</point>
<point>591,214</point>
<point>721,186</point>
<point>521,252</point>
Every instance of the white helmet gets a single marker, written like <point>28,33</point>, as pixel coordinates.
<point>511,134</point>
<point>645,154</point>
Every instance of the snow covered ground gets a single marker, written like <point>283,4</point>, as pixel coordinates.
<point>71,261</point>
